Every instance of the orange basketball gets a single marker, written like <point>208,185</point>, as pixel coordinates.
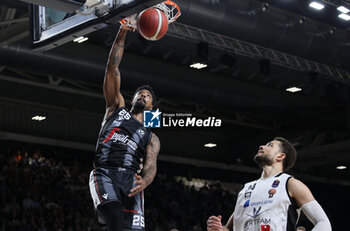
<point>152,24</point>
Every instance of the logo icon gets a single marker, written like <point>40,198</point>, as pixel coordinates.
<point>111,134</point>
<point>275,184</point>
<point>272,192</point>
<point>256,212</point>
<point>251,187</point>
<point>141,131</point>
<point>265,228</point>
<point>151,119</point>
<point>246,204</point>
<point>105,196</point>
<point>247,194</point>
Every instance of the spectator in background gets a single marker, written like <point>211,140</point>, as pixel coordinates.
<point>35,160</point>
<point>53,198</point>
<point>18,156</point>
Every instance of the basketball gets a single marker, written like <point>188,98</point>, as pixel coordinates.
<point>152,24</point>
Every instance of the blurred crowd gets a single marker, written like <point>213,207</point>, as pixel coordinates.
<point>48,194</point>
<point>42,194</point>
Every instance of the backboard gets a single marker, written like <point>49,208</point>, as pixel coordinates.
<point>51,27</point>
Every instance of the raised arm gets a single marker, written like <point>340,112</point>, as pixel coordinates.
<point>150,168</point>
<point>111,84</point>
<point>311,208</point>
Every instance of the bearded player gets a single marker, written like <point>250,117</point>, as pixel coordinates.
<point>272,202</point>
<point>124,145</point>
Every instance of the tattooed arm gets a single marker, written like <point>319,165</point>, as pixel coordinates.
<point>111,84</point>
<point>150,168</point>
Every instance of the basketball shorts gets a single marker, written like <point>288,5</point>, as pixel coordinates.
<point>107,185</point>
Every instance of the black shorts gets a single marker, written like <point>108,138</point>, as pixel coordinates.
<point>107,185</point>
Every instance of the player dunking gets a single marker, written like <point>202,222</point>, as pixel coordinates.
<point>122,146</point>
<point>270,203</point>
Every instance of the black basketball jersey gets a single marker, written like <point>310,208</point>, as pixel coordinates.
<point>122,142</point>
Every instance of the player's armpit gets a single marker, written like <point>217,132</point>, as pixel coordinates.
<point>150,168</point>
<point>111,108</point>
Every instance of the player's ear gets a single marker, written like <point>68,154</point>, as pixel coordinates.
<point>281,156</point>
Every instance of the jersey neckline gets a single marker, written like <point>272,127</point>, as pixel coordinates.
<point>135,118</point>
<point>267,178</point>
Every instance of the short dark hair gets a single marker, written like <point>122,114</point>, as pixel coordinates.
<point>288,149</point>
<point>150,89</point>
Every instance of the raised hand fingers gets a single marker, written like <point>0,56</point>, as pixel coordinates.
<point>215,218</point>
<point>125,27</point>
<point>214,223</point>
<point>214,227</point>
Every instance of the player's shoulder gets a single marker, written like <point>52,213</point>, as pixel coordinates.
<point>296,186</point>
<point>284,175</point>
<point>283,178</point>
<point>299,191</point>
<point>122,108</point>
<point>112,111</point>
<point>250,184</point>
<point>294,182</point>
<point>154,138</point>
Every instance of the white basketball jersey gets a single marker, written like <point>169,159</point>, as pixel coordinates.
<point>265,205</point>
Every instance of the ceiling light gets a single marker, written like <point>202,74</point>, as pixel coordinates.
<point>80,39</point>
<point>316,5</point>
<point>38,118</point>
<point>198,65</point>
<point>345,17</point>
<point>77,39</point>
<point>83,40</point>
<point>293,89</point>
<point>341,167</point>
<point>343,9</point>
<point>209,145</point>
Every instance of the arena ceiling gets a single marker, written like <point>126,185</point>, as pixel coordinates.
<point>256,49</point>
